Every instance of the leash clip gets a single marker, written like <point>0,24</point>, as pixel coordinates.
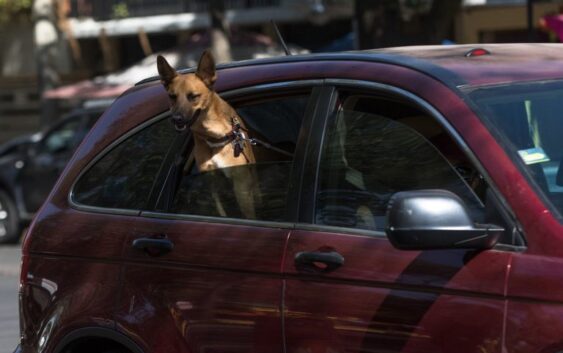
<point>238,136</point>
<point>238,142</point>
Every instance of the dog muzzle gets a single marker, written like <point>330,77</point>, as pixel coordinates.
<point>179,122</point>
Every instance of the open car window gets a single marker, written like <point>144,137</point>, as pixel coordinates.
<point>275,122</point>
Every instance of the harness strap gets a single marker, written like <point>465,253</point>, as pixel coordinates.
<point>238,139</point>
<point>216,143</point>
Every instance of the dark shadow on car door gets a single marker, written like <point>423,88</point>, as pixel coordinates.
<point>386,300</point>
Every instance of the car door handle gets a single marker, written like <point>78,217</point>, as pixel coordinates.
<point>318,261</point>
<point>153,246</point>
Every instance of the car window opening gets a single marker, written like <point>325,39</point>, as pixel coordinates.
<point>377,146</point>
<point>275,122</point>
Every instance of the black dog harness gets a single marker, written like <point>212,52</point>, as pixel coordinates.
<point>238,138</point>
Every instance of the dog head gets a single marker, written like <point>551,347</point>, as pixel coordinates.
<point>190,95</point>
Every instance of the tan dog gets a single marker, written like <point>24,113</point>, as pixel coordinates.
<point>218,131</point>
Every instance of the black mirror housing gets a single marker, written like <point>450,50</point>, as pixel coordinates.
<point>435,219</point>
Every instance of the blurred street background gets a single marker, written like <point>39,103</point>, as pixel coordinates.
<point>58,54</point>
<point>9,278</point>
<point>62,62</point>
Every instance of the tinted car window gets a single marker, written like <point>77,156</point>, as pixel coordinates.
<point>276,122</point>
<point>124,177</point>
<point>375,148</point>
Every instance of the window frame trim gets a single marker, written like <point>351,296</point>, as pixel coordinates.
<point>373,88</point>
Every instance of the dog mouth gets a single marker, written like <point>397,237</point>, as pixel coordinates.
<point>180,123</point>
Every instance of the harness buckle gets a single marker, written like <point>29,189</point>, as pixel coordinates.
<point>238,142</point>
<point>238,136</point>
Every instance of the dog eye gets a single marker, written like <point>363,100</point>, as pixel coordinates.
<point>172,96</point>
<point>192,96</point>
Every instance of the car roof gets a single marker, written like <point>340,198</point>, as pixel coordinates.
<point>504,63</point>
<point>454,65</point>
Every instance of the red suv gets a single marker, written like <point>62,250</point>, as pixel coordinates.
<point>417,208</point>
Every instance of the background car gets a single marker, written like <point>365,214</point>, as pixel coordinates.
<point>421,211</point>
<point>19,143</point>
<point>30,165</point>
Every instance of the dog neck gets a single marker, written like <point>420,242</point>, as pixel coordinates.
<point>217,138</point>
<point>215,122</point>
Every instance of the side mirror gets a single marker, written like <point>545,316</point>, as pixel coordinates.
<point>435,219</point>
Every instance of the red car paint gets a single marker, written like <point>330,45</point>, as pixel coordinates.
<point>232,286</point>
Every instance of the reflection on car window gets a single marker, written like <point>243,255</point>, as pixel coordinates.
<point>123,178</point>
<point>374,149</point>
<point>528,118</point>
<point>211,193</point>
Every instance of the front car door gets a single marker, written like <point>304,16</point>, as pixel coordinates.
<point>347,288</point>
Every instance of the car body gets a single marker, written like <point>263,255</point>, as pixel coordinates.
<point>31,164</point>
<point>421,211</point>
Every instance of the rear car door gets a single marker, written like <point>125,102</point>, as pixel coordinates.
<point>347,288</point>
<point>196,280</point>
<point>206,293</point>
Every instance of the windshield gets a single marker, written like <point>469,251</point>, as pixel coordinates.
<point>529,121</point>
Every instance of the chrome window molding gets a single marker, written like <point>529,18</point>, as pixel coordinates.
<point>217,220</point>
<point>341,230</point>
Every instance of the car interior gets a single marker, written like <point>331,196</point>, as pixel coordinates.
<point>531,129</point>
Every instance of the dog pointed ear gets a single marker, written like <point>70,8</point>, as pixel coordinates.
<point>206,69</point>
<point>166,72</point>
